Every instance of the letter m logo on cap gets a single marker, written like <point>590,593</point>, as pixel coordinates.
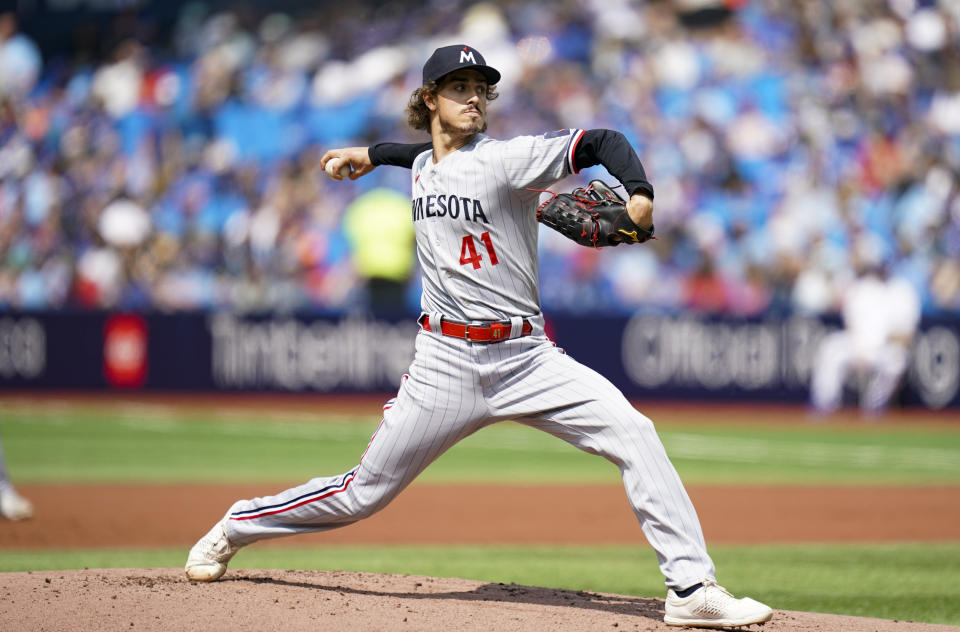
<point>466,55</point>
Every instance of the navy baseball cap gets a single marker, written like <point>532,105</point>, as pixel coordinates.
<point>446,59</point>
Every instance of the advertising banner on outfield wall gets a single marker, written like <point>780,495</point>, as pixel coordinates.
<point>646,356</point>
<point>689,357</point>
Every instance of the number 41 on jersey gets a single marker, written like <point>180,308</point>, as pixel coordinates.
<point>469,254</point>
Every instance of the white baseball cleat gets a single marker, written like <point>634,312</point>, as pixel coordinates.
<point>13,506</point>
<point>208,558</point>
<point>713,607</point>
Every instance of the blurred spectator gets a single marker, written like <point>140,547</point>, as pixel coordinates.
<point>381,236</point>
<point>20,61</point>
<point>704,290</point>
<point>117,85</point>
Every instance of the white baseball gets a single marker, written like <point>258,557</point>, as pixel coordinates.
<point>337,167</point>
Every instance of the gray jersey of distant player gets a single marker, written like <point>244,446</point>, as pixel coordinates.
<point>479,254</point>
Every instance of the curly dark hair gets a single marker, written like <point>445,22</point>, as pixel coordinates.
<point>418,114</point>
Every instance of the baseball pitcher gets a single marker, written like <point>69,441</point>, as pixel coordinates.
<point>481,354</point>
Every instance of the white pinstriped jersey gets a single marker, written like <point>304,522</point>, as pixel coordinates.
<point>475,217</point>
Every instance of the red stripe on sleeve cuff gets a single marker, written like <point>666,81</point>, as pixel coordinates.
<point>573,151</point>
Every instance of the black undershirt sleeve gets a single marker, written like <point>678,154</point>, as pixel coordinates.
<point>611,149</point>
<point>397,154</point>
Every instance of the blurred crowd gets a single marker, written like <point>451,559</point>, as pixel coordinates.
<point>789,143</point>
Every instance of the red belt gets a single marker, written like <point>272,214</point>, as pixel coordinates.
<point>494,332</point>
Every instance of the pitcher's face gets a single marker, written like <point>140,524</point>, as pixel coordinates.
<point>461,103</point>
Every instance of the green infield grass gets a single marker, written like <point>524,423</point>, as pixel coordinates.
<point>56,442</point>
<point>896,581</point>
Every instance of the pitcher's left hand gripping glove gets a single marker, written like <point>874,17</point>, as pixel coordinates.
<point>593,216</point>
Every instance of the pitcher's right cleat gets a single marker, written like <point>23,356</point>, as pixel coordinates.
<point>208,558</point>
<point>713,607</point>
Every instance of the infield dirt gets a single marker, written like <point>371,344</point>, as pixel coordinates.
<point>87,516</point>
<point>156,600</point>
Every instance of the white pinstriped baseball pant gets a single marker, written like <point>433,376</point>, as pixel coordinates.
<point>455,388</point>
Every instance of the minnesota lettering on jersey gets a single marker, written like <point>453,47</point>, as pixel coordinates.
<point>451,206</point>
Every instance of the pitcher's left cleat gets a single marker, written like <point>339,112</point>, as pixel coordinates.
<point>208,558</point>
<point>713,607</point>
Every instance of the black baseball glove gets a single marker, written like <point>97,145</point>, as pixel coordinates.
<point>593,216</point>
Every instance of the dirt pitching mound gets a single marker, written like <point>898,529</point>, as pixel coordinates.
<point>162,600</point>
